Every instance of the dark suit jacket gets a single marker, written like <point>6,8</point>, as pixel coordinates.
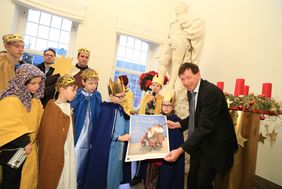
<point>50,83</point>
<point>214,135</point>
<point>42,68</point>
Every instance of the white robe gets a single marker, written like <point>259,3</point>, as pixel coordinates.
<point>68,176</point>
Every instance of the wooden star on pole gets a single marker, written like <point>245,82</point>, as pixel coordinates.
<point>261,138</point>
<point>63,65</point>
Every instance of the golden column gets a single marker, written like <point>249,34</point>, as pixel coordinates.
<point>241,175</point>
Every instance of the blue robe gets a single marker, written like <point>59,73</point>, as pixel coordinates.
<point>87,108</point>
<point>105,165</point>
<point>172,173</point>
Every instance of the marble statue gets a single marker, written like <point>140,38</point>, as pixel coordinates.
<point>184,44</point>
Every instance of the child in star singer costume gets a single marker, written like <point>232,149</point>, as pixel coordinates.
<point>106,156</point>
<point>127,102</point>
<point>87,108</point>
<point>150,104</point>
<point>20,115</point>
<point>56,141</point>
<point>172,173</point>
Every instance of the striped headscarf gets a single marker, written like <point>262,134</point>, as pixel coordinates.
<point>18,86</point>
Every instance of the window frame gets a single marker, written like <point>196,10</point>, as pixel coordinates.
<point>22,22</point>
<point>153,49</point>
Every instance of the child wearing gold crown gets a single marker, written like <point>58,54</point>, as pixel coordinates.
<point>127,102</point>
<point>172,173</point>
<point>87,108</point>
<point>83,56</point>
<point>18,130</point>
<point>106,158</point>
<point>150,105</point>
<point>14,44</point>
<point>56,142</point>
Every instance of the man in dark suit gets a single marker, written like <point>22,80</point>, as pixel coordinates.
<point>49,56</point>
<point>212,141</point>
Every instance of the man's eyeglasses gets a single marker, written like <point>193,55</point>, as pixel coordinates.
<point>120,97</point>
<point>50,55</point>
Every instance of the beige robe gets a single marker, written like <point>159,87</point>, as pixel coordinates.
<point>7,72</point>
<point>16,121</point>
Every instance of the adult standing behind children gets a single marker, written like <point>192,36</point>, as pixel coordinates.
<point>56,141</point>
<point>14,45</point>
<point>19,130</point>
<point>83,56</point>
<point>87,108</point>
<point>212,140</point>
<point>49,56</point>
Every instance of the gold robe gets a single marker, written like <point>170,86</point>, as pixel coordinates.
<point>146,99</point>
<point>127,102</point>
<point>7,72</point>
<point>16,121</point>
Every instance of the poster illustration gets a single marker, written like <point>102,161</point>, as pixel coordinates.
<point>149,138</point>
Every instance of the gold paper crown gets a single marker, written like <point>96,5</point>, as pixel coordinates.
<point>159,80</point>
<point>65,81</point>
<point>89,73</point>
<point>83,50</point>
<point>169,96</point>
<point>116,87</point>
<point>11,38</point>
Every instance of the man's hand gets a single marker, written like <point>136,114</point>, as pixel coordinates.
<point>173,125</point>
<point>174,154</point>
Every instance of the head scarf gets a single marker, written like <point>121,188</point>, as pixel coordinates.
<point>18,87</point>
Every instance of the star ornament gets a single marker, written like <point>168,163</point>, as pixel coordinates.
<point>272,136</point>
<point>261,138</point>
<point>63,65</point>
<point>241,140</point>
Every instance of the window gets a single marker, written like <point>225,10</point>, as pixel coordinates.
<point>132,59</point>
<point>44,30</point>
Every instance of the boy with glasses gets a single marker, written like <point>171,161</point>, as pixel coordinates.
<point>105,169</point>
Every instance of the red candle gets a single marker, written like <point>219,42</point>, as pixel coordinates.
<point>266,89</point>
<point>239,87</point>
<point>220,84</point>
<point>246,90</point>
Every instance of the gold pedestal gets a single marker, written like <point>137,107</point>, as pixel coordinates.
<point>241,175</point>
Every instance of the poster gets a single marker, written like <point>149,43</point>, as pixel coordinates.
<point>149,138</point>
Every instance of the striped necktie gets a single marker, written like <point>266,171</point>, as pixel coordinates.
<point>191,125</point>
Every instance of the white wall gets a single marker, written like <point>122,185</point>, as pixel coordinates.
<point>243,39</point>
<point>7,11</point>
<point>98,31</point>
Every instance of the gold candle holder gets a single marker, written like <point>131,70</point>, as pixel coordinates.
<point>242,173</point>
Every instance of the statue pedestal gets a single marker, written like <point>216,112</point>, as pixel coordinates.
<point>241,175</point>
